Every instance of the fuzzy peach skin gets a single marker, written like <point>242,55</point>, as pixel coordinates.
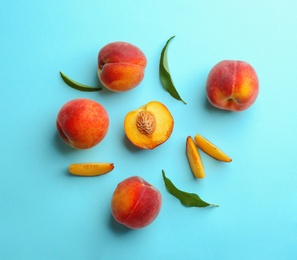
<point>135,203</point>
<point>82,123</point>
<point>232,85</point>
<point>121,66</point>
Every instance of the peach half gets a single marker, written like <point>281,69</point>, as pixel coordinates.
<point>149,126</point>
<point>135,202</point>
<point>121,66</point>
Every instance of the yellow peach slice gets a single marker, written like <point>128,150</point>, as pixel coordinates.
<point>90,169</point>
<point>194,158</point>
<point>210,149</point>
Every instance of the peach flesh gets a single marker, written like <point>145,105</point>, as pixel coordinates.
<point>158,125</point>
<point>232,85</point>
<point>121,66</point>
<point>82,123</point>
<point>135,203</point>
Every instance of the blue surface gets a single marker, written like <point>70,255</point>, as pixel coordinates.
<point>48,214</point>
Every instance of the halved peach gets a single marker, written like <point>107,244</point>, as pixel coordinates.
<point>194,158</point>
<point>90,169</point>
<point>210,149</point>
<point>149,126</point>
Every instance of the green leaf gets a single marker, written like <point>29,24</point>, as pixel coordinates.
<point>165,76</point>
<point>73,84</point>
<point>187,199</point>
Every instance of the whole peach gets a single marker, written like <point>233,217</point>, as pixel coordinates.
<point>82,123</point>
<point>121,66</point>
<point>135,203</point>
<point>232,85</point>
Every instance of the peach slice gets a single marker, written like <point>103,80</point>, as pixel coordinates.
<point>149,126</point>
<point>90,169</point>
<point>194,158</point>
<point>210,149</point>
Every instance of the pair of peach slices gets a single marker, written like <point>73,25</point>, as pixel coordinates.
<point>206,146</point>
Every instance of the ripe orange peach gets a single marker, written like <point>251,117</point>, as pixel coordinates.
<point>135,203</point>
<point>121,66</point>
<point>232,85</point>
<point>82,123</point>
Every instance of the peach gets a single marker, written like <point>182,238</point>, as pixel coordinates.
<point>82,123</point>
<point>121,66</point>
<point>149,126</point>
<point>232,85</point>
<point>135,203</point>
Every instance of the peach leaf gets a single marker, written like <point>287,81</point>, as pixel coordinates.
<point>78,86</point>
<point>165,76</point>
<point>186,198</point>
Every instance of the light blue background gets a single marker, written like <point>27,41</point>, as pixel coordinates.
<point>47,214</point>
